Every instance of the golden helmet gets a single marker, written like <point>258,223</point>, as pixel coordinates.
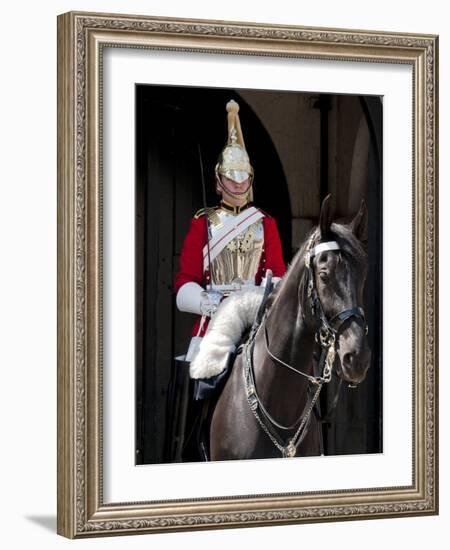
<point>234,162</point>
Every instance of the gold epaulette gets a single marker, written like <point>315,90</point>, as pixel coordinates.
<point>208,211</point>
<point>199,213</point>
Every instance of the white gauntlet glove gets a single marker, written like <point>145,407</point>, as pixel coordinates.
<point>193,298</point>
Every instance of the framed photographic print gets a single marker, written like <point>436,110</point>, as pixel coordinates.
<point>247,288</point>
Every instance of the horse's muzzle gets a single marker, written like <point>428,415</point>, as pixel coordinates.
<point>354,366</point>
<point>354,355</point>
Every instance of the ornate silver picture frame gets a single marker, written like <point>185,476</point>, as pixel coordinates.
<point>83,509</point>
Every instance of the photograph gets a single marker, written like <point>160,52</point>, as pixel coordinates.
<point>244,348</point>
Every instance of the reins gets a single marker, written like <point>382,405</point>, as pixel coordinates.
<point>326,337</point>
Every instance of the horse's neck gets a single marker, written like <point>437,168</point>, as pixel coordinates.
<point>289,337</point>
<point>291,340</point>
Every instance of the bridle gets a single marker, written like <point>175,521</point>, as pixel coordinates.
<point>326,336</point>
<point>329,329</point>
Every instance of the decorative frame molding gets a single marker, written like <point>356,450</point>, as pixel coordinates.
<point>81,37</point>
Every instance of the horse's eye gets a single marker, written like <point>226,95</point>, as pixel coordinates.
<point>323,276</point>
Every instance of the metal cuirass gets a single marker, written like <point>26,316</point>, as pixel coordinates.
<point>239,260</point>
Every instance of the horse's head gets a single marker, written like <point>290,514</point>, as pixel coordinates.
<point>338,270</point>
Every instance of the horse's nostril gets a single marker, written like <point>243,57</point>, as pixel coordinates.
<point>348,360</point>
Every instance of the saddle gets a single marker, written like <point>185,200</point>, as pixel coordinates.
<point>208,388</point>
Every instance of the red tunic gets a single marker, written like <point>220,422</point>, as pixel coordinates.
<point>191,257</point>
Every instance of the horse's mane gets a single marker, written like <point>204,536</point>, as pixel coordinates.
<point>297,274</point>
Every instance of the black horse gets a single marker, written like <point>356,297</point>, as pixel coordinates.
<point>266,407</point>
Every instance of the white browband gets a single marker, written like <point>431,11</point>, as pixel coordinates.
<point>330,245</point>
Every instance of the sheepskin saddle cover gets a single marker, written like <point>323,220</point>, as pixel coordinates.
<point>234,315</point>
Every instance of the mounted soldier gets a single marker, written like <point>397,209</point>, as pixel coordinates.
<point>227,251</point>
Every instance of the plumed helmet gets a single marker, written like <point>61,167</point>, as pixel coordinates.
<point>234,162</point>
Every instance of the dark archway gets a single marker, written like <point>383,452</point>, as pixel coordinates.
<point>171,124</point>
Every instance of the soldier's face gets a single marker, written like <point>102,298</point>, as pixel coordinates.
<point>239,188</point>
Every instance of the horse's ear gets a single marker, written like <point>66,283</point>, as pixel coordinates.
<point>325,217</point>
<point>359,224</point>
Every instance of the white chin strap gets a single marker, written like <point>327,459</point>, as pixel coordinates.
<point>322,247</point>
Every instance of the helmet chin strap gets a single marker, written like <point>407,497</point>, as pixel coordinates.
<point>232,193</point>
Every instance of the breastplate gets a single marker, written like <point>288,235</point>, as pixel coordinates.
<point>239,260</point>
